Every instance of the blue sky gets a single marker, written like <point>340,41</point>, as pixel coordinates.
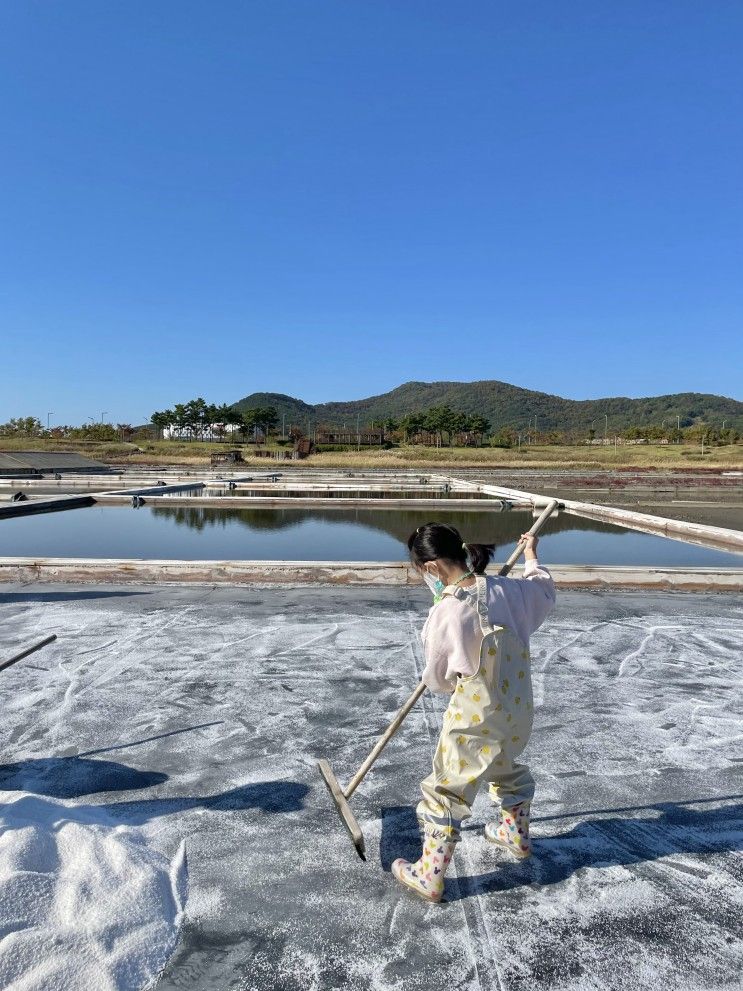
<point>331,198</point>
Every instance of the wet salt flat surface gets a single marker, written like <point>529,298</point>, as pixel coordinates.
<point>204,533</point>
<point>160,811</point>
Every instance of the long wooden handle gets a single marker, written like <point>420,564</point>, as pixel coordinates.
<point>394,726</point>
<point>27,651</point>
<point>537,526</point>
<point>384,740</point>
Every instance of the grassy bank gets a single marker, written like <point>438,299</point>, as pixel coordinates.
<point>162,453</point>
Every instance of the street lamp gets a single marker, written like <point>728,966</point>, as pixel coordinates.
<point>103,413</point>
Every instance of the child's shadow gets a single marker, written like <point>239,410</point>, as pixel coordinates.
<point>601,842</point>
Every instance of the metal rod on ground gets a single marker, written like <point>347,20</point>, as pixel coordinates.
<point>341,796</point>
<point>26,652</point>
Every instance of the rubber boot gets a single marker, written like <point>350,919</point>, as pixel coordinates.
<point>426,876</point>
<point>511,830</point>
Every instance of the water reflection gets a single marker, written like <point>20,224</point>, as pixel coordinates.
<point>501,529</point>
<point>325,534</point>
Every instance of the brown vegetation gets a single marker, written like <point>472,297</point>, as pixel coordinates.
<point>673,457</point>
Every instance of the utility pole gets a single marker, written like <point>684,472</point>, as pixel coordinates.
<point>358,432</point>
<point>103,413</point>
<point>283,426</point>
<point>606,426</point>
<point>52,414</point>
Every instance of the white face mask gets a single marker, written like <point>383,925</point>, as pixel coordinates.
<point>435,584</point>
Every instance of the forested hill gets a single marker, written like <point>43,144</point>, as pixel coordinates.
<point>508,405</point>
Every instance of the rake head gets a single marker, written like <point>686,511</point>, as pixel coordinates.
<point>349,819</point>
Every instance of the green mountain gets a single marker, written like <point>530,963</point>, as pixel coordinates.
<point>508,405</point>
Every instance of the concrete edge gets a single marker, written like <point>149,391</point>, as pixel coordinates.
<point>304,502</point>
<point>694,533</point>
<point>134,571</point>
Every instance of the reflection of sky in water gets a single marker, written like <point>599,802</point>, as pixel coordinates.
<point>122,532</point>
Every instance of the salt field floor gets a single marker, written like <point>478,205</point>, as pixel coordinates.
<point>162,823</point>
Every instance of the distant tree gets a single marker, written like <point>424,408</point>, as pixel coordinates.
<point>412,424</point>
<point>192,412</point>
<point>161,420</point>
<point>210,419</point>
<point>479,425</point>
<point>247,422</point>
<point>22,426</point>
<point>266,418</point>
<point>180,419</point>
<point>555,437</point>
<point>233,417</point>
<point>94,431</point>
<point>198,416</point>
<point>223,417</point>
<point>504,438</point>
<point>438,421</point>
<point>728,436</point>
<point>457,423</point>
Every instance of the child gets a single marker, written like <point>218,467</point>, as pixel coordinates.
<point>476,642</point>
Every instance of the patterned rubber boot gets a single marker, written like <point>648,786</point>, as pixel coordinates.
<point>511,830</point>
<point>426,876</point>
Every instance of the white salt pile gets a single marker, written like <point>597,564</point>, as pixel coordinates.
<point>84,901</point>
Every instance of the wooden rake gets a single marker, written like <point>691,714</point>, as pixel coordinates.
<point>341,795</point>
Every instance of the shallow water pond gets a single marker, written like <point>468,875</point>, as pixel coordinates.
<point>202,533</point>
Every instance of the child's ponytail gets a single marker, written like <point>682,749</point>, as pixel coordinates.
<point>478,556</point>
<point>440,541</point>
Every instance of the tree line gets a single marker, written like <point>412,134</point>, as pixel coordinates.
<point>32,427</point>
<point>198,419</point>
<point>442,422</point>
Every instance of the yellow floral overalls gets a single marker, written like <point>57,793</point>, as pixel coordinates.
<point>486,726</point>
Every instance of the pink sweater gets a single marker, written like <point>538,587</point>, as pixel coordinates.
<point>452,636</point>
